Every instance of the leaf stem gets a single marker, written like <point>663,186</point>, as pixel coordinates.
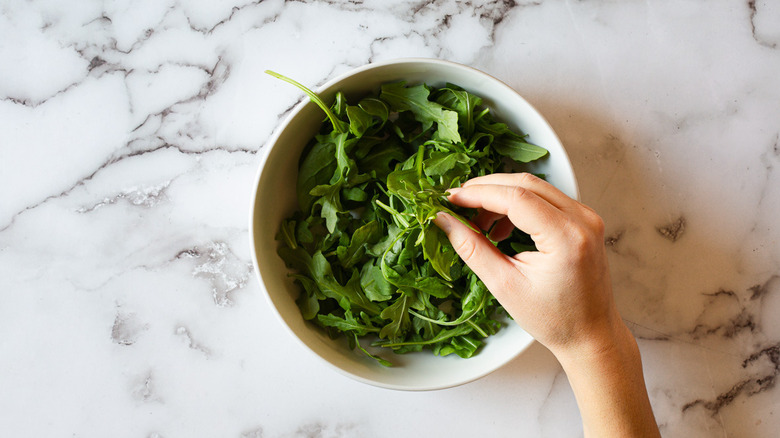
<point>477,328</point>
<point>381,361</point>
<point>459,217</point>
<point>444,323</point>
<point>338,125</point>
<point>396,215</point>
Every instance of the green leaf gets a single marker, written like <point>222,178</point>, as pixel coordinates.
<point>376,108</point>
<point>438,250</point>
<point>296,258</point>
<point>442,162</point>
<point>487,125</point>
<point>478,144</point>
<point>316,169</point>
<point>354,194</point>
<point>374,284</point>
<point>348,295</point>
<point>398,314</point>
<point>474,302</point>
<point>339,106</point>
<point>308,301</point>
<point>403,183</point>
<point>330,202</point>
<point>287,234</point>
<point>380,158</point>
<point>345,166</point>
<point>430,285</point>
<point>447,127</point>
<point>415,99</point>
<point>359,120</point>
<point>368,234</point>
<point>463,346</point>
<point>347,324</point>
<point>463,103</point>
<point>303,233</point>
<point>518,150</point>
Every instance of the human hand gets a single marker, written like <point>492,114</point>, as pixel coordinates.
<point>561,294</point>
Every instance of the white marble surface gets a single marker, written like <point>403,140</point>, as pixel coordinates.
<point>130,133</point>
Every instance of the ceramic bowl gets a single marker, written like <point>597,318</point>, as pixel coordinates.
<point>274,200</point>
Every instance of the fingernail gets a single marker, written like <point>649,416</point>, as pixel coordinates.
<point>443,221</point>
<point>453,191</point>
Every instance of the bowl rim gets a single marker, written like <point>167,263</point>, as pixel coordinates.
<point>272,140</point>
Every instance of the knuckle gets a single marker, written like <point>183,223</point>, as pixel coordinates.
<point>581,238</point>
<point>586,225</point>
<point>466,249</point>
<point>517,194</point>
<point>596,223</point>
<point>578,235</point>
<point>526,178</point>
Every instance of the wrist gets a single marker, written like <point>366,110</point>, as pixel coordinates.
<point>613,342</point>
<point>607,380</point>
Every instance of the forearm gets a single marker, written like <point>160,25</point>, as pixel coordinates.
<point>609,386</point>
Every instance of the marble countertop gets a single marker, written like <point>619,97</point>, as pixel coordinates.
<point>132,132</point>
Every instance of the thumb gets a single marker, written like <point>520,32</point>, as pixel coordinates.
<point>490,264</point>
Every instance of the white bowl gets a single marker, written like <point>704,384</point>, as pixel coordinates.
<point>275,200</point>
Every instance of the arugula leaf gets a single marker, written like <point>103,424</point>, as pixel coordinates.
<point>315,169</point>
<point>444,163</point>
<point>376,108</point>
<point>359,120</point>
<point>398,314</point>
<point>363,236</point>
<point>463,103</point>
<point>374,284</point>
<point>438,250</point>
<point>463,346</point>
<point>415,99</point>
<point>518,150</point>
<point>309,301</point>
<point>330,202</point>
<point>347,295</point>
<point>347,323</point>
<point>380,158</point>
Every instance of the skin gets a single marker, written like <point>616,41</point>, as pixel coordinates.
<point>561,294</point>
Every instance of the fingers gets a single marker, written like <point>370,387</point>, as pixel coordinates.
<point>485,219</point>
<point>500,226</point>
<point>542,188</point>
<point>477,252</point>
<point>524,208</point>
<point>501,230</point>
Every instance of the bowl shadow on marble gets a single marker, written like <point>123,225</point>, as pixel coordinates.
<point>674,281</point>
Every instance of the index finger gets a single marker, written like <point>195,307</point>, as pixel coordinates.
<point>542,188</point>
<point>528,211</point>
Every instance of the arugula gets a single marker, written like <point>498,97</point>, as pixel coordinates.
<point>371,264</point>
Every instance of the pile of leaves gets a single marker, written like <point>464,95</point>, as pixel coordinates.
<point>372,265</point>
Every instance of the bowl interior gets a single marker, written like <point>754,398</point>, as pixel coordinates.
<point>275,200</point>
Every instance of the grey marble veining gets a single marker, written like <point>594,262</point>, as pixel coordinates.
<point>131,133</point>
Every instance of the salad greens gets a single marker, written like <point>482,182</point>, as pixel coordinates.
<point>371,264</point>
